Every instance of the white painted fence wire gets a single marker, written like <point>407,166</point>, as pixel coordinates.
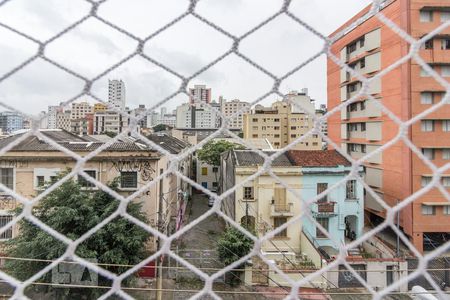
<point>165,248</point>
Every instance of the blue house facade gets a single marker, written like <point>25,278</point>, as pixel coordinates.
<point>341,210</point>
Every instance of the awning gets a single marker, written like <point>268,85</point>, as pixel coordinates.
<point>446,203</point>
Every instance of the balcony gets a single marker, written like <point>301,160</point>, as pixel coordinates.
<point>281,210</point>
<point>324,209</point>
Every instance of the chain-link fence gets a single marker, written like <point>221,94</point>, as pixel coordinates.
<point>350,273</point>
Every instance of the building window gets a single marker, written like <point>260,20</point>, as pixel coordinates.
<point>424,73</point>
<point>445,45</point>
<point>445,16</point>
<point>446,153</point>
<point>428,210</point>
<point>426,98</point>
<point>425,180</point>
<point>254,120</point>
<point>363,105</point>
<point>426,16</point>
<point>446,181</point>
<point>352,87</point>
<point>215,169</point>
<point>293,127</point>
<point>53,179</point>
<point>7,177</point>
<point>40,181</point>
<point>363,148</point>
<point>351,189</point>
<point>445,71</point>
<point>362,63</point>
<point>428,153</point>
<point>445,125</point>
<point>204,170</point>
<point>361,43</point>
<point>324,223</point>
<point>322,187</point>
<point>363,126</point>
<point>83,182</point>
<point>128,179</point>
<point>255,136</point>
<point>248,192</point>
<point>293,136</point>
<point>428,44</point>
<point>280,221</point>
<point>276,120</point>
<point>351,48</point>
<point>8,233</point>
<point>427,125</point>
<point>276,128</point>
<point>446,210</point>
<point>255,127</point>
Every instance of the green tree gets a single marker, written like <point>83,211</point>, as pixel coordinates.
<point>233,245</point>
<point>211,152</point>
<point>72,211</point>
<point>159,127</point>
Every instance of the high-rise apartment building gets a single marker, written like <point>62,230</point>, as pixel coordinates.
<point>282,123</point>
<point>109,122</point>
<point>63,120</point>
<point>10,121</point>
<point>199,94</point>
<point>116,93</point>
<point>198,115</point>
<point>80,110</point>
<point>396,173</point>
<point>229,108</point>
<point>51,115</point>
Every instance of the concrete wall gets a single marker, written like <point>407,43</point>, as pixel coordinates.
<point>209,179</point>
<point>376,273</point>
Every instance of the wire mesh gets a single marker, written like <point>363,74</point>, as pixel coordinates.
<point>167,240</point>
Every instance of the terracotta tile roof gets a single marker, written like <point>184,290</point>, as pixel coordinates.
<point>317,158</point>
<point>77,143</point>
<point>251,158</point>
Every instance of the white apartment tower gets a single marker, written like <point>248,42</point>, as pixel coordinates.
<point>229,108</point>
<point>116,93</point>
<point>51,115</point>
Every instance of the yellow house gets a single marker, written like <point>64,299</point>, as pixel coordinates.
<point>32,163</point>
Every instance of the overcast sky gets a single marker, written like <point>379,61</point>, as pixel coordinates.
<point>92,47</point>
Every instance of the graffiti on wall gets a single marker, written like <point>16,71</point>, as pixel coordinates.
<point>13,163</point>
<point>7,202</point>
<point>142,166</point>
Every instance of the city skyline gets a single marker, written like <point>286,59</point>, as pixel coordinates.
<point>147,83</point>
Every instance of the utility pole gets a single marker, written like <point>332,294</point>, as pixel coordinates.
<point>246,215</point>
<point>398,227</point>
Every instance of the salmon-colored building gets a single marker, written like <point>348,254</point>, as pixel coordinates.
<point>395,174</point>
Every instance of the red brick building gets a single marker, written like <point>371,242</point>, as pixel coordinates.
<point>396,173</point>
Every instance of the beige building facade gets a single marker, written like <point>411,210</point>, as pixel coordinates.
<point>33,165</point>
<point>80,110</point>
<point>282,124</point>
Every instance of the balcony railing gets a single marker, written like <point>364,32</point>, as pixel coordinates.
<point>281,209</point>
<point>325,208</point>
